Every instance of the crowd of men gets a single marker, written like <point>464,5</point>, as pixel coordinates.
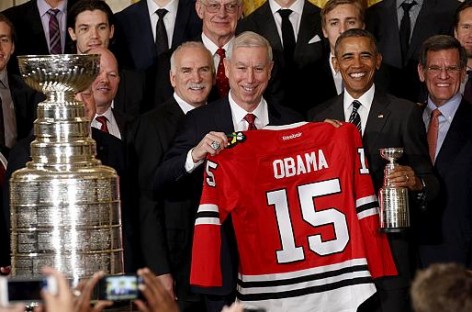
<point>177,77</point>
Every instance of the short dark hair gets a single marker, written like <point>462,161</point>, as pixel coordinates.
<point>442,287</point>
<point>356,33</point>
<point>89,5</point>
<point>5,19</point>
<point>442,42</point>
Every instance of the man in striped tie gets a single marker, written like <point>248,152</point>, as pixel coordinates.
<point>385,121</point>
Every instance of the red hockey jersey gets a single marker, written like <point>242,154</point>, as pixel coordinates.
<point>305,215</point>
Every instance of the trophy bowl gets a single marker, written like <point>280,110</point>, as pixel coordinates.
<point>391,153</point>
<point>59,72</point>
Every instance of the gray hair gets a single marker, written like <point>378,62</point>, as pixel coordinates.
<point>249,39</point>
<point>191,44</point>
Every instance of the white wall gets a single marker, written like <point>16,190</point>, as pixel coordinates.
<point>116,5</point>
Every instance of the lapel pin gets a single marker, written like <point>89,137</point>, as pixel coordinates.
<point>380,116</point>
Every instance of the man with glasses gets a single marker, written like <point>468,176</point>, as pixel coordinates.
<point>447,228</point>
<point>385,121</point>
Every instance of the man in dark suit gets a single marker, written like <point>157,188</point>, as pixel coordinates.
<point>290,58</point>
<point>427,18</point>
<point>135,30</point>
<point>248,65</point>
<point>31,22</point>
<point>447,228</point>
<point>167,221</point>
<point>386,121</point>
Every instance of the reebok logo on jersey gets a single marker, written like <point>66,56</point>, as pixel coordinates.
<point>291,136</point>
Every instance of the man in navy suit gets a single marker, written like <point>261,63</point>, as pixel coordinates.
<point>306,26</point>
<point>167,220</point>
<point>427,18</point>
<point>386,121</point>
<point>248,65</point>
<point>447,228</point>
<point>135,30</point>
<point>31,24</point>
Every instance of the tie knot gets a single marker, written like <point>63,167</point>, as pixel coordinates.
<point>221,52</point>
<point>355,105</point>
<point>435,113</point>
<point>53,12</point>
<point>250,118</point>
<point>285,13</point>
<point>101,119</point>
<point>407,6</point>
<point>161,13</point>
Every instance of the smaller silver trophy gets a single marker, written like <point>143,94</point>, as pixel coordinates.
<point>394,208</point>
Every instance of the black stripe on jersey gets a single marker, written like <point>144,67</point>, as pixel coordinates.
<point>304,278</point>
<point>208,214</point>
<point>367,206</point>
<point>305,291</point>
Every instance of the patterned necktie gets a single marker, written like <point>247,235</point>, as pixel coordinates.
<point>222,83</point>
<point>103,121</point>
<point>250,118</point>
<point>54,32</point>
<point>355,118</point>
<point>288,35</point>
<point>405,29</point>
<point>162,42</point>
<point>433,130</point>
<point>468,87</point>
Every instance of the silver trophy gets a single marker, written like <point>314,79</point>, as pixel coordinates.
<point>394,208</point>
<point>65,205</point>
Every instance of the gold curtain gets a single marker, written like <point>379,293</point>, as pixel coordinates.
<point>251,5</point>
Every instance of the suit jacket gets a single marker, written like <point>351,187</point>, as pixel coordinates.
<point>25,101</point>
<point>30,36</point>
<point>134,42</point>
<point>306,52</point>
<point>448,225</point>
<point>166,222</point>
<point>172,179</point>
<point>392,122</point>
<point>435,17</point>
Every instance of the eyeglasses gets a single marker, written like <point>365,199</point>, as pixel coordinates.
<point>454,69</point>
<point>214,7</point>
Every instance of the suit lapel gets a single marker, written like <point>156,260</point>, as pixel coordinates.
<point>36,24</point>
<point>222,117</point>
<point>268,27</point>
<point>378,116</point>
<point>306,31</point>
<point>145,30</point>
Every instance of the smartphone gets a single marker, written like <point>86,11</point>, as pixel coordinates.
<point>25,290</point>
<point>119,287</point>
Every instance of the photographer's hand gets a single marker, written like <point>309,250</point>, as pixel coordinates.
<point>157,297</point>
<point>83,295</point>
<point>60,302</point>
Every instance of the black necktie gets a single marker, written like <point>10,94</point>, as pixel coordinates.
<point>468,87</point>
<point>288,35</point>
<point>405,29</point>
<point>162,43</point>
<point>355,118</point>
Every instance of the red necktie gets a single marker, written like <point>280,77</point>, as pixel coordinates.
<point>433,129</point>
<point>54,32</point>
<point>250,118</point>
<point>222,82</point>
<point>103,120</point>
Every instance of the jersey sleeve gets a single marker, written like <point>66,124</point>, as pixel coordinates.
<point>206,256</point>
<point>378,253</point>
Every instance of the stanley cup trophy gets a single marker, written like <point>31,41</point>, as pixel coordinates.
<point>394,209</point>
<point>65,205</point>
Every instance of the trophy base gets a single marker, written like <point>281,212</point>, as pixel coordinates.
<point>394,230</point>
